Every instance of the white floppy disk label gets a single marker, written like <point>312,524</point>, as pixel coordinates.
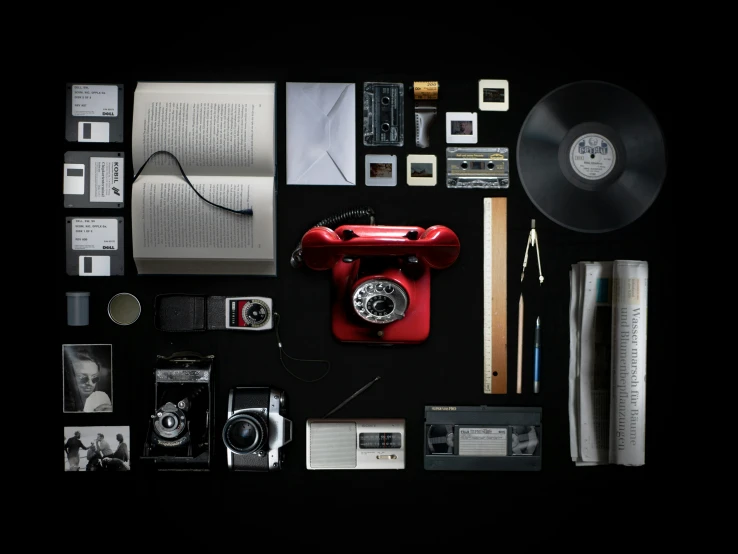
<point>74,178</point>
<point>94,234</point>
<point>483,441</point>
<point>106,179</point>
<point>94,100</point>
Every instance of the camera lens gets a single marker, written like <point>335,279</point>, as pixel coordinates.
<point>243,433</point>
<point>170,422</point>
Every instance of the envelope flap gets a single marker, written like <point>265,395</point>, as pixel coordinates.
<point>321,133</point>
<point>342,128</point>
<point>325,96</point>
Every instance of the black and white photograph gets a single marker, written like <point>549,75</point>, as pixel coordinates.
<point>88,377</point>
<point>101,448</point>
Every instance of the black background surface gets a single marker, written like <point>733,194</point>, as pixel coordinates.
<point>447,368</point>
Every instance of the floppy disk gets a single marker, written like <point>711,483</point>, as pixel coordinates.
<point>94,112</point>
<point>95,246</point>
<point>93,179</point>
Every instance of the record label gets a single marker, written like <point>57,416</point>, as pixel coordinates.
<point>592,156</point>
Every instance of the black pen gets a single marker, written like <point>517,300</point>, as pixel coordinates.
<point>537,359</point>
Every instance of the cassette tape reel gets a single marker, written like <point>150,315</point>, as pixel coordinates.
<point>384,114</point>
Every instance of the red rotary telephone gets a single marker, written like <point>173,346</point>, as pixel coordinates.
<point>381,277</point>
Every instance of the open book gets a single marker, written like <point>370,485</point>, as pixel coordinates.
<point>223,134</point>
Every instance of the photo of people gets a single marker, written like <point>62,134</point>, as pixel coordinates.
<point>380,170</point>
<point>88,377</point>
<point>461,128</point>
<point>97,448</point>
<point>421,170</point>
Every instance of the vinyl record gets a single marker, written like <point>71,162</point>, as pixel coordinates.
<point>591,156</point>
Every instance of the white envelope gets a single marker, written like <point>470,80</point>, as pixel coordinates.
<point>321,134</point>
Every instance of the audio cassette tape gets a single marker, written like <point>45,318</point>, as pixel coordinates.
<point>477,168</point>
<point>482,438</point>
<point>384,114</point>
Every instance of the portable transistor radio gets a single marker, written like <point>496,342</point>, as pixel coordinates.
<point>355,444</point>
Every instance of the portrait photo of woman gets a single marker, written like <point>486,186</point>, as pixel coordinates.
<point>88,377</point>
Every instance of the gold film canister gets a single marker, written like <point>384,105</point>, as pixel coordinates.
<point>425,90</point>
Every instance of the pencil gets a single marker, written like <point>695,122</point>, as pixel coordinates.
<point>520,344</point>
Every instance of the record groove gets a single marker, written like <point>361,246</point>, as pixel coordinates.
<point>591,156</point>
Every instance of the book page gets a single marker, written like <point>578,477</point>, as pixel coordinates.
<point>212,128</point>
<point>170,222</point>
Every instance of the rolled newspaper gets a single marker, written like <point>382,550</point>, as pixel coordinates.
<point>628,363</point>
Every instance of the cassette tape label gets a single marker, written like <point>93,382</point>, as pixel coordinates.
<point>477,167</point>
<point>94,234</point>
<point>95,100</point>
<point>106,180</point>
<point>483,441</point>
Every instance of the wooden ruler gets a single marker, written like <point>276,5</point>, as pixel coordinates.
<point>495,295</point>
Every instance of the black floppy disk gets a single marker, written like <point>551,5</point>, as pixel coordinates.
<point>95,246</point>
<point>93,179</point>
<point>94,112</point>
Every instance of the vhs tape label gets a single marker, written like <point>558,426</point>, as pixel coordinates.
<point>483,441</point>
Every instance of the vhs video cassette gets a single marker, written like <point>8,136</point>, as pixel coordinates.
<point>477,168</point>
<point>384,110</point>
<point>482,438</point>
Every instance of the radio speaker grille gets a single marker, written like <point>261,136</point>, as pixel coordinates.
<point>333,445</point>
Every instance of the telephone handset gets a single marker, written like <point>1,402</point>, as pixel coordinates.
<point>381,277</point>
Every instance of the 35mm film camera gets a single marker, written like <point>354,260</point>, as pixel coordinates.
<point>256,429</point>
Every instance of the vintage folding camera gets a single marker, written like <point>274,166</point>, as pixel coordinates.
<point>381,277</point>
<point>179,434</point>
<point>256,429</point>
